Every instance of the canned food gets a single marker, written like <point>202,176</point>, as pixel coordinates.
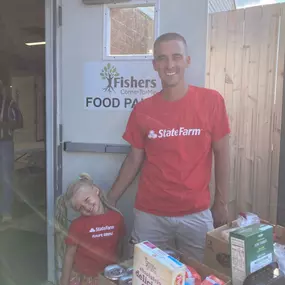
<point>114,272</point>
<point>126,280</point>
<point>172,253</point>
<point>129,271</point>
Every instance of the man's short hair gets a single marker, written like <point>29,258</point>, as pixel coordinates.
<point>169,37</point>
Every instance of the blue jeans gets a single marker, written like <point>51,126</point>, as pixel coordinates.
<point>6,176</point>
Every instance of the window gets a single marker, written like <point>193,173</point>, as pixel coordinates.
<point>130,30</point>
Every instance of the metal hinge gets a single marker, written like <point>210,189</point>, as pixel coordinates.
<point>60,16</point>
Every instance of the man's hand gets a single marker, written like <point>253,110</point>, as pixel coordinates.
<point>111,201</point>
<point>220,214</point>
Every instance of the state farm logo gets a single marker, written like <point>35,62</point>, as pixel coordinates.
<point>152,135</point>
<point>166,133</point>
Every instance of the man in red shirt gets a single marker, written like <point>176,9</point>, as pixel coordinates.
<point>172,136</point>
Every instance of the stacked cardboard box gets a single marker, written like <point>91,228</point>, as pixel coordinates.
<point>217,251</point>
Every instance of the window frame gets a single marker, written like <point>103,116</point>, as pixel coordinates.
<point>107,28</point>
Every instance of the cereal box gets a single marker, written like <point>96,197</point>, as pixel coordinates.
<point>153,266</point>
<point>251,249</point>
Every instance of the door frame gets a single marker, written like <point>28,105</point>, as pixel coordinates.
<point>53,127</point>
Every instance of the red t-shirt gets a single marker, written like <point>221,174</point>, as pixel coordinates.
<point>177,138</point>
<point>97,238</point>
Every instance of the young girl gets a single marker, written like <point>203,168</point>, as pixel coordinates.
<point>94,239</point>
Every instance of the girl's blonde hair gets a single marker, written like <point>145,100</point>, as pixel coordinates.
<point>61,216</point>
<point>85,180</point>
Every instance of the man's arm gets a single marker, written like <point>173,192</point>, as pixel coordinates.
<point>222,164</point>
<point>126,175</point>
<point>222,170</point>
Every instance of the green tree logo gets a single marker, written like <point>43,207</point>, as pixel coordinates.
<point>108,73</point>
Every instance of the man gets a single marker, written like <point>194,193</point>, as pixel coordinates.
<point>10,120</point>
<point>172,137</point>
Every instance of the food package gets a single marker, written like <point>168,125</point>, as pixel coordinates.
<point>251,248</point>
<point>247,219</point>
<point>192,277</point>
<point>243,220</point>
<point>212,280</point>
<point>154,266</point>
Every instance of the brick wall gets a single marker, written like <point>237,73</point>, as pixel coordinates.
<point>132,32</point>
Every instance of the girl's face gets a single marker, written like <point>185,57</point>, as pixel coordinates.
<point>87,201</point>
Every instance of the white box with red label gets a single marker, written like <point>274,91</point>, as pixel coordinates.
<point>155,267</point>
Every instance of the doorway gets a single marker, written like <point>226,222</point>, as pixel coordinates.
<point>23,241</point>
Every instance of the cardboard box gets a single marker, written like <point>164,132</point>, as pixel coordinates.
<point>217,249</point>
<point>279,234</point>
<point>251,250</point>
<point>205,271</point>
<point>152,265</point>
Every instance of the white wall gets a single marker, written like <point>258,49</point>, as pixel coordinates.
<point>82,41</point>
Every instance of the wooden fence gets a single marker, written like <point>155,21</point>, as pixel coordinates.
<point>245,63</point>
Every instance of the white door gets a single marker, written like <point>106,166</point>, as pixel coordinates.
<point>92,35</point>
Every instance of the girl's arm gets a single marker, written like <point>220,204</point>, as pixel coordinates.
<point>120,249</point>
<point>68,263</point>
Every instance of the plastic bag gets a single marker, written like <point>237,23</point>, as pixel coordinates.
<point>279,252</point>
<point>247,219</point>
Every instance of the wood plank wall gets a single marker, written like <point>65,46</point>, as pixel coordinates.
<point>245,63</point>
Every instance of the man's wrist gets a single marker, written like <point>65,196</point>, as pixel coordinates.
<point>220,200</point>
<point>111,197</point>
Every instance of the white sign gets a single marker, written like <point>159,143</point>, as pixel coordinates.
<point>118,85</point>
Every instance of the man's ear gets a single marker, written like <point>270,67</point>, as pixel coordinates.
<point>188,60</point>
<point>154,64</point>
